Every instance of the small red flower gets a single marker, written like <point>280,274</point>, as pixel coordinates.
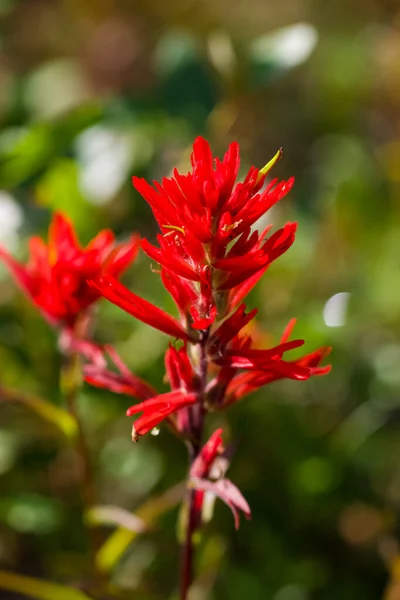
<point>181,376</point>
<point>207,476</point>
<point>307,366</point>
<point>55,278</point>
<point>245,369</point>
<point>157,409</point>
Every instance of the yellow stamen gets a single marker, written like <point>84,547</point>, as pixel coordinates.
<point>175,228</point>
<point>265,170</point>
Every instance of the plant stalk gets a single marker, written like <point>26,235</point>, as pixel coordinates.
<point>71,381</point>
<point>196,418</point>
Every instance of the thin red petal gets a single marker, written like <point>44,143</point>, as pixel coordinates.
<point>168,260</point>
<point>203,462</point>
<point>122,256</point>
<point>62,238</point>
<point>118,294</point>
<point>228,493</point>
<point>173,400</point>
<point>102,241</point>
<point>19,272</point>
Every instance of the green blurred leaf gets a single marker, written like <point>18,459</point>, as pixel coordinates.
<point>30,150</point>
<point>58,190</point>
<point>31,513</point>
<point>116,545</point>
<point>35,588</point>
<point>53,414</point>
<point>27,152</point>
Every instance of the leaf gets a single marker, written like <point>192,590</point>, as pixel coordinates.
<point>25,153</point>
<point>58,189</point>
<point>53,414</point>
<point>116,545</point>
<point>114,515</point>
<point>36,588</point>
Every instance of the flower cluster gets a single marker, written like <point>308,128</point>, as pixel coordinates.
<point>211,254</point>
<point>56,276</point>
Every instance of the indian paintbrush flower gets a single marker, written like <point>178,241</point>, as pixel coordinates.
<point>55,277</point>
<point>211,255</point>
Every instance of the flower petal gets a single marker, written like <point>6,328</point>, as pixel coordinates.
<point>228,492</point>
<point>118,294</point>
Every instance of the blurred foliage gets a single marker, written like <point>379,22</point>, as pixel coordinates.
<point>93,92</point>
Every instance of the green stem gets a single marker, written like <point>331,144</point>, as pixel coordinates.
<point>71,381</point>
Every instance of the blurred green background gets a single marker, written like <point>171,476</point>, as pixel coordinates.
<point>94,92</point>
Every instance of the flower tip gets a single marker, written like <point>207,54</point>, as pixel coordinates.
<point>135,435</point>
<point>267,168</point>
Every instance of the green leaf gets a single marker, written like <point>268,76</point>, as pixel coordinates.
<point>58,189</point>
<point>26,153</point>
<point>53,414</point>
<point>116,545</point>
<point>35,588</point>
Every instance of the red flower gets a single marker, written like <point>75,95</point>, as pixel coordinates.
<point>182,376</point>
<point>211,257</point>
<point>183,381</point>
<point>201,215</point>
<point>55,278</point>
<point>207,476</point>
<point>157,409</point>
<point>245,369</point>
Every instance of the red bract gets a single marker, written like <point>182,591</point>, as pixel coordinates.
<point>246,369</point>
<point>203,462</point>
<point>113,290</point>
<point>157,409</point>
<point>303,368</point>
<point>181,376</point>
<point>206,219</point>
<point>55,278</point>
<point>207,476</point>
<point>121,382</point>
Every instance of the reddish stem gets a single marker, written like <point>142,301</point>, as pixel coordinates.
<point>188,550</point>
<point>196,418</point>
